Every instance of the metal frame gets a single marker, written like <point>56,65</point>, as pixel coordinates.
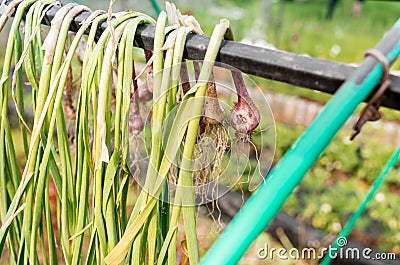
<point>299,70</point>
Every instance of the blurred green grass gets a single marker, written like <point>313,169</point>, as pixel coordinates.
<point>339,181</point>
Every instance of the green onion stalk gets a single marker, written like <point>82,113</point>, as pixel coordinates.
<point>83,155</point>
<point>40,169</point>
<point>59,82</point>
<point>32,35</point>
<point>106,229</point>
<point>185,124</point>
<point>10,175</point>
<point>7,152</point>
<point>32,29</point>
<point>98,69</point>
<point>54,46</point>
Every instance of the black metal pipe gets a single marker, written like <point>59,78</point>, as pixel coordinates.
<point>299,70</point>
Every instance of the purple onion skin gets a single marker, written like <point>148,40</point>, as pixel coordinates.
<point>136,124</point>
<point>245,115</point>
<point>149,75</point>
<point>143,93</point>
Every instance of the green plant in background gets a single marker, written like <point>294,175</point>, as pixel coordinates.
<point>339,181</point>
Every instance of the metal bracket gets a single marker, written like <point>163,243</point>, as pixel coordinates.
<point>371,111</point>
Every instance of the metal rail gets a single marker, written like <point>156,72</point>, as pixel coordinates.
<point>299,70</point>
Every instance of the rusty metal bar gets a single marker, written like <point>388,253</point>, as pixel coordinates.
<point>299,70</point>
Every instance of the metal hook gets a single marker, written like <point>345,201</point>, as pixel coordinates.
<point>371,111</point>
